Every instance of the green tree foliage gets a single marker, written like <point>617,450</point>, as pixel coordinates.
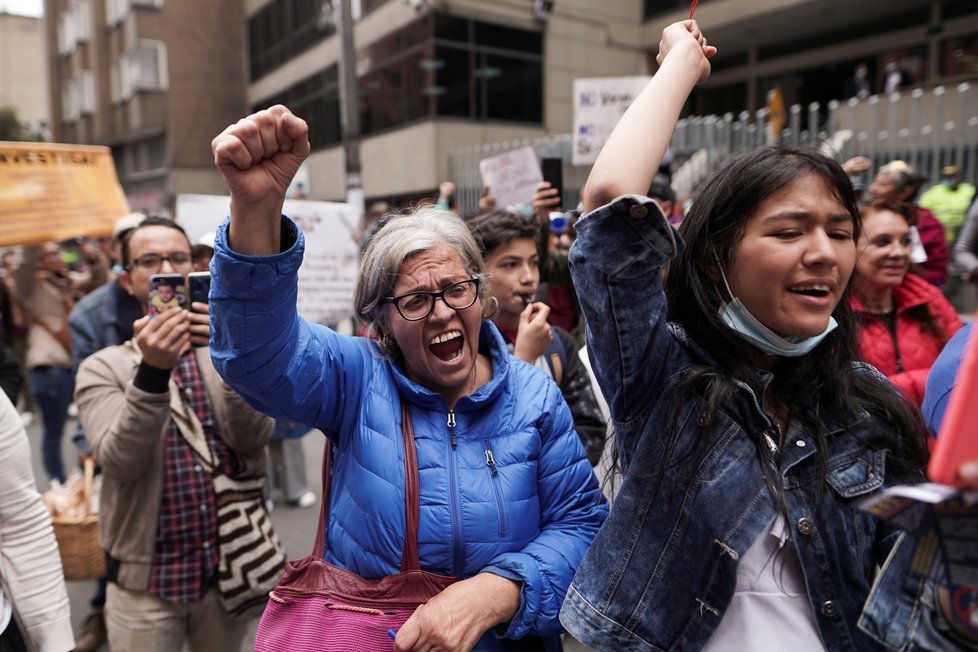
<point>11,128</point>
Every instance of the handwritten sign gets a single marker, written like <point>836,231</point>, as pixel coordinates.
<point>598,105</point>
<point>55,192</point>
<point>330,265</point>
<point>511,177</point>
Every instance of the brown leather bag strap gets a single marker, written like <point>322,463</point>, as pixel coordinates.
<point>410,559</point>
<point>318,548</point>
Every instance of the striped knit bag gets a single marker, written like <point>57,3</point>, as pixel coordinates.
<point>251,554</point>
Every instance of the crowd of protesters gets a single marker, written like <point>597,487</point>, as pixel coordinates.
<point>742,369</point>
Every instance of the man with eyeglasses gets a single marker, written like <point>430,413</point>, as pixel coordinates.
<point>138,403</point>
<point>45,292</point>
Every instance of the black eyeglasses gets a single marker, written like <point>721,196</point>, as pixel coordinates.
<point>153,262</point>
<point>415,306</point>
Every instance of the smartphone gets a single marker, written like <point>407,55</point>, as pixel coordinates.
<point>553,173</point>
<point>200,286</point>
<point>166,291</point>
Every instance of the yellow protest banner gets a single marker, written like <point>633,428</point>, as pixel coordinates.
<point>55,192</point>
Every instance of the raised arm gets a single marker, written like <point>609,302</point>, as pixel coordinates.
<point>629,160</point>
<point>258,156</point>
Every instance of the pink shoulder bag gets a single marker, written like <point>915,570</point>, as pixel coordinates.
<point>319,607</point>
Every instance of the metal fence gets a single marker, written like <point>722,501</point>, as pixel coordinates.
<point>928,128</point>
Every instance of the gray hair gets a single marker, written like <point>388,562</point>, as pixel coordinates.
<point>403,236</point>
<point>904,176</point>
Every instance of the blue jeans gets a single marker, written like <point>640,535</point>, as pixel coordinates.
<point>53,389</point>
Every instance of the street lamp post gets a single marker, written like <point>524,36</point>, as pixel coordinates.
<point>349,104</point>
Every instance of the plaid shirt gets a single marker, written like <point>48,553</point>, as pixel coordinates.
<point>186,556</point>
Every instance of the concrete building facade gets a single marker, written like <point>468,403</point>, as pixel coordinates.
<point>433,76</point>
<point>24,69</point>
<point>436,75</point>
<point>155,80</point>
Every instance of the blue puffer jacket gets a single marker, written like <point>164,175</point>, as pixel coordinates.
<point>529,517</point>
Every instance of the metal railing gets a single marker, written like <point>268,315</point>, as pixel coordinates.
<point>927,128</point>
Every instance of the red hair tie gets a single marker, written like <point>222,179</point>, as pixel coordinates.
<point>692,8</point>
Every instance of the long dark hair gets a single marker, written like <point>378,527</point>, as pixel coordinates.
<point>822,384</point>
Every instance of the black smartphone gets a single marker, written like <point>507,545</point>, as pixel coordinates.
<point>553,173</point>
<point>166,291</point>
<point>200,286</point>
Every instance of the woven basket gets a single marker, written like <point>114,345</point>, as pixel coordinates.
<point>81,555</point>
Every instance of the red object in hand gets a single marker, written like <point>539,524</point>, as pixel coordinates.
<point>692,8</point>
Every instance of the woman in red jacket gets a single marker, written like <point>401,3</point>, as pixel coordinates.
<point>897,181</point>
<point>906,320</point>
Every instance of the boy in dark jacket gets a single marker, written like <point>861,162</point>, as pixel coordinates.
<point>509,246</point>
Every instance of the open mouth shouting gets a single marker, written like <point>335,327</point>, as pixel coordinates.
<point>818,290</point>
<point>447,346</point>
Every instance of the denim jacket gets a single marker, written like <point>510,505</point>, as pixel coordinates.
<point>662,570</point>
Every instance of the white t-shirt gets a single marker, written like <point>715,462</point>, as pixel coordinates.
<point>770,609</point>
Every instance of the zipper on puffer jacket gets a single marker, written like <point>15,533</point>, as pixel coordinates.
<point>459,549</point>
<point>451,428</point>
<point>496,490</point>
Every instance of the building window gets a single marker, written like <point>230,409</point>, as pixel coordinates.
<point>118,10</point>
<point>78,96</point>
<point>74,26</point>
<point>452,66</point>
<point>486,71</point>
<point>81,12</point>
<point>959,56</point>
<point>147,66</point>
<point>367,6</point>
<point>142,158</point>
<point>115,11</point>
<point>66,33</point>
<point>316,100</point>
<point>284,29</point>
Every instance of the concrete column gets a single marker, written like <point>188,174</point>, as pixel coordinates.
<point>752,79</point>
<point>935,29</point>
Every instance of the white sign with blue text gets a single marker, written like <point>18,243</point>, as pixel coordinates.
<point>598,105</point>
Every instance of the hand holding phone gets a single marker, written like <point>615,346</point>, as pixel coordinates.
<point>200,285</point>
<point>552,170</point>
<point>162,339</point>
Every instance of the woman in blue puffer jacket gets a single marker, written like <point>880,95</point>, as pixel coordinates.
<point>508,501</point>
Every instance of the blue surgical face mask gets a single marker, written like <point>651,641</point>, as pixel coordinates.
<point>740,320</point>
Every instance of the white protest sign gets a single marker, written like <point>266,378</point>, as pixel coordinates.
<point>598,105</point>
<point>512,177</point>
<point>330,264</point>
<point>201,214</point>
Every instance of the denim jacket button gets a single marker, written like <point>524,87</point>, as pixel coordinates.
<point>805,526</point>
<point>638,210</point>
<point>830,608</point>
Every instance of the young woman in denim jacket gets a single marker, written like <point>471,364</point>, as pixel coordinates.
<point>746,433</point>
